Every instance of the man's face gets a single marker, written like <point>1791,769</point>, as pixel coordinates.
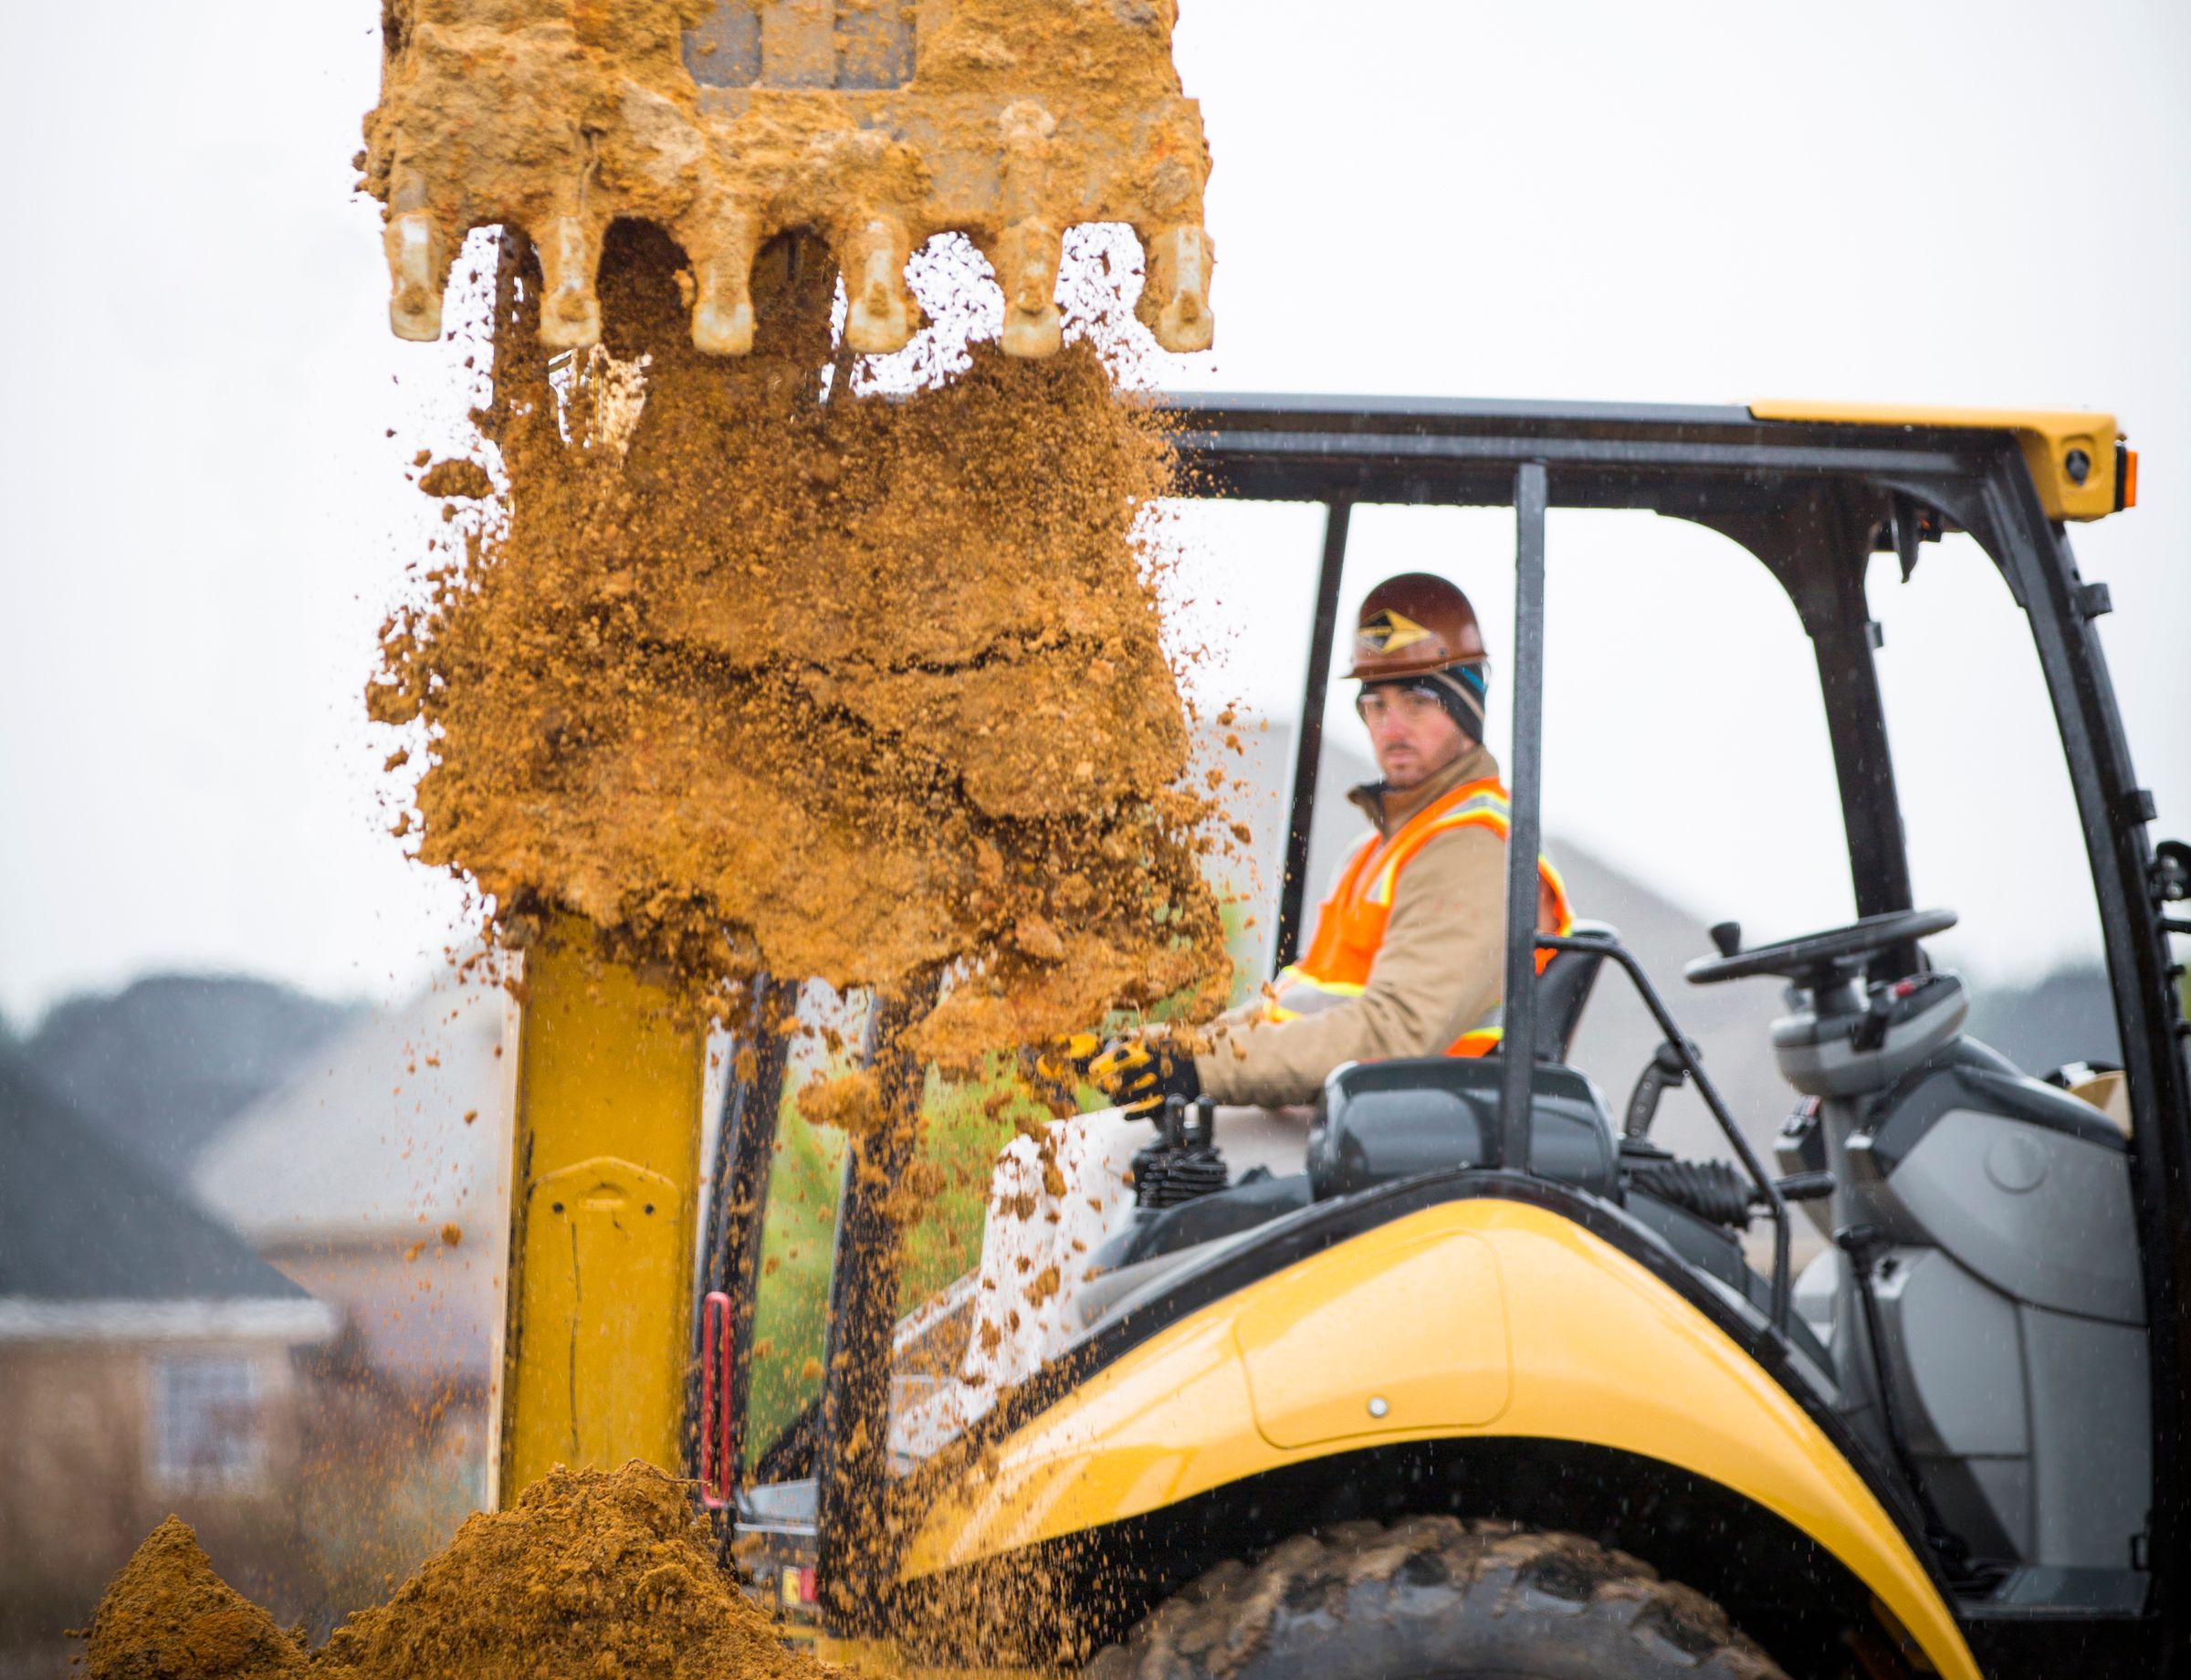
<point>1412,735</point>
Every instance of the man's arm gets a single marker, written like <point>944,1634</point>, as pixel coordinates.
<point>1438,971</point>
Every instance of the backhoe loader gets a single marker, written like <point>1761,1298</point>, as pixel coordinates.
<point>1488,1382</point>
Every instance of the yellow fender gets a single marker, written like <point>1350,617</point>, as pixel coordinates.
<point>1481,1318</point>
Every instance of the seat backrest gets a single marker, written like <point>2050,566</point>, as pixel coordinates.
<point>1562,989</point>
<point>1380,1121</point>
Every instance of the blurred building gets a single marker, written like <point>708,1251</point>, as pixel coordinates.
<point>377,1179</point>
<point>147,1365</point>
<point>160,1065</point>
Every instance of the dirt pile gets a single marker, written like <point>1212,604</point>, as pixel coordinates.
<point>588,1573</point>
<point>167,1616</point>
<point>608,1577</point>
<point>757,674</point>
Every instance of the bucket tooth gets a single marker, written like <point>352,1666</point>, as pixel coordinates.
<point>570,311</point>
<point>879,316</point>
<point>416,269</point>
<point>1026,263</point>
<point>1175,298</point>
<point>722,310</point>
<point>722,273</point>
<point>1026,256</point>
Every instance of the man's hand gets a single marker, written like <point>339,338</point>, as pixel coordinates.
<point>1139,1073</point>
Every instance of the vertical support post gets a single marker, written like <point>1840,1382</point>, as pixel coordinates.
<point>745,1151</point>
<point>603,1219</point>
<point>1819,546</point>
<point>1863,765</point>
<point>1309,745</point>
<point>852,1452</point>
<point>1517,1044</point>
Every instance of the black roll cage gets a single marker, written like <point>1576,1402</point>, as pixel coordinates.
<point>1812,500</point>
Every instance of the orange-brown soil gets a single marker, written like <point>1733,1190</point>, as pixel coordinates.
<point>466,479</point>
<point>591,1574</point>
<point>1009,120</point>
<point>167,1616</point>
<point>761,675</point>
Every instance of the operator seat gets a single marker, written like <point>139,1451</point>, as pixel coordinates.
<point>1563,988</point>
<point>1446,1093</point>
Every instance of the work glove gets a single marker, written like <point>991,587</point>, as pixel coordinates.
<point>1139,1073</point>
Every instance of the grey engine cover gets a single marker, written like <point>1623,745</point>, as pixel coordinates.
<point>2013,1315</point>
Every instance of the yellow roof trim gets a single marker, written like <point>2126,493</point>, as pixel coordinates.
<point>2049,437</point>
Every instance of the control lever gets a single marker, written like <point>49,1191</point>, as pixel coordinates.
<point>1184,1161</point>
<point>1805,1186</point>
<point>1663,1072</point>
<point>1869,1033</point>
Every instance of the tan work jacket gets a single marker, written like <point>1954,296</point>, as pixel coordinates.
<point>1440,969</point>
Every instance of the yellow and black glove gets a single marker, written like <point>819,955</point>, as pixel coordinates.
<point>1138,1074</point>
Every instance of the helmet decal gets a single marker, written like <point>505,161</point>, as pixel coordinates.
<point>1412,625</point>
<point>1388,632</point>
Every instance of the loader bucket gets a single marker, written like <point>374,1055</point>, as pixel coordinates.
<point>872,124</point>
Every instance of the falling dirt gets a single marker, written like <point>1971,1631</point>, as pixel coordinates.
<point>762,675</point>
<point>735,664</point>
<point>466,480</point>
<point>591,1574</point>
<point>850,1103</point>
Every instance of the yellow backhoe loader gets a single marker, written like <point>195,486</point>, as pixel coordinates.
<point>1489,1384</point>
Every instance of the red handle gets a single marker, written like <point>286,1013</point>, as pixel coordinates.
<point>717,1472</point>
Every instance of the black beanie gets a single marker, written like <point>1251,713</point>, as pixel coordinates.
<point>1460,688</point>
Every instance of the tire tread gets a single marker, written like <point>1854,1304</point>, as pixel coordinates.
<point>1219,1622</point>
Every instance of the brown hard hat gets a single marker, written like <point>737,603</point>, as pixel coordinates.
<point>1411,624</point>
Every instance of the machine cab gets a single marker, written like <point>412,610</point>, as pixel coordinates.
<point>1956,1268</point>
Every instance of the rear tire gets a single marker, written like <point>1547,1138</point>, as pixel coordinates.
<point>1433,1598</point>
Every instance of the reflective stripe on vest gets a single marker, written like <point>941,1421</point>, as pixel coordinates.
<point>1350,925</point>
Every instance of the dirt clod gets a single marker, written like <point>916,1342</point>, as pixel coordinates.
<point>850,1103</point>
<point>464,480</point>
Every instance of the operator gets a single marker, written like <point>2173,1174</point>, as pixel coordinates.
<point>1409,951</point>
<point>1408,959</point>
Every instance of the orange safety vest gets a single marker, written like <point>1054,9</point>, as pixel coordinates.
<point>1351,924</point>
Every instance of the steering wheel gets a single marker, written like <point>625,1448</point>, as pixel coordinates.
<point>1818,958</point>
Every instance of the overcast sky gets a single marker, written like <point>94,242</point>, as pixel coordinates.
<point>1969,201</point>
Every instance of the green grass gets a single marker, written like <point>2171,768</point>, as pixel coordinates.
<point>959,1145</point>
<point>791,1302</point>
